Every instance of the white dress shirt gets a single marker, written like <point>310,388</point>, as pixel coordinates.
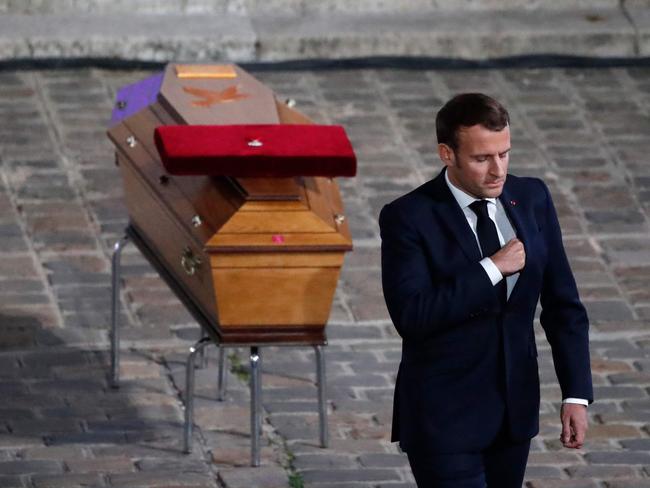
<point>464,201</point>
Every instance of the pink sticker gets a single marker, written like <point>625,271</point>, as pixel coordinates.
<point>278,238</point>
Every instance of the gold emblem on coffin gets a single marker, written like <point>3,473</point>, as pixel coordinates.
<point>207,98</point>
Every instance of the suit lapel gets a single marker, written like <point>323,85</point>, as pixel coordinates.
<point>450,213</point>
<point>515,209</point>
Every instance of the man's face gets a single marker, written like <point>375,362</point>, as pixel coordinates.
<point>480,164</point>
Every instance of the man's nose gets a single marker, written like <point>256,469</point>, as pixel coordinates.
<point>497,168</point>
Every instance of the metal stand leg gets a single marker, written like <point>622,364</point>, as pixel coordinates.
<point>256,418</point>
<point>115,311</point>
<point>322,395</point>
<point>203,360</point>
<point>221,379</point>
<point>189,392</point>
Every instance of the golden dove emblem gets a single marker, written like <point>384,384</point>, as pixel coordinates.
<point>207,98</point>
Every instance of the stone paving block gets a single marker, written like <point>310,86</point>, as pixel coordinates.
<point>599,365</point>
<point>613,431</point>
<point>53,453</point>
<point>618,457</point>
<point>628,483</point>
<point>155,314</point>
<point>181,465</point>
<point>543,472</point>
<point>137,334</point>
<point>359,332</point>
<point>132,451</point>
<point>232,449</point>
<point>160,479</point>
<point>347,446</point>
<point>369,308</point>
<point>383,460</point>
<point>630,378</point>
<point>601,471</point>
<point>44,427</point>
<point>65,240</point>
<point>68,480</point>
<point>325,459</point>
<point>346,475</point>
<point>629,416</point>
<point>355,485</point>
<point>295,426</point>
<point>361,379</point>
<point>109,209</point>
<point>238,456</point>
<point>30,467</point>
<point>85,438</point>
<point>12,481</point>
<point>300,393</point>
<point>552,458</point>
<point>619,392</point>
<point>18,441</point>
<point>20,286</point>
<point>283,381</point>
<point>33,361</point>
<point>230,418</point>
<point>80,265</point>
<point>42,225</point>
<point>629,352</point>
<point>291,407</point>
<point>379,394</point>
<point>572,483</point>
<point>396,485</point>
<point>261,477</point>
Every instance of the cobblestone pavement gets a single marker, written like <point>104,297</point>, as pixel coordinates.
<point>584,131</point>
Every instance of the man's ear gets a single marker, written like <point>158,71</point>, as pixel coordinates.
<point>446,154</point>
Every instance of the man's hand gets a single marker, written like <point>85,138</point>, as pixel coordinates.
<point>574,425</point>
<point>510,258</point>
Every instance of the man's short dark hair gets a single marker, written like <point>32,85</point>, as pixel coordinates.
<point>466,110</point>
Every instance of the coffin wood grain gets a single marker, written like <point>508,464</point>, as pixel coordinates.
<point>259,297</point>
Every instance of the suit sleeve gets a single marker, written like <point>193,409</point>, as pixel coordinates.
<point>420,302</point>
<point>563,316</point>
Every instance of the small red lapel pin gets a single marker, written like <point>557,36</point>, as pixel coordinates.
<point>513,202</point>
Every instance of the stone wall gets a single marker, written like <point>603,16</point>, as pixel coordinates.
<point>277,30</point>
<point>299,7</point>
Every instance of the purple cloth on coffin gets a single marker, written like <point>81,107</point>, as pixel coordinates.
<point>133,98</point>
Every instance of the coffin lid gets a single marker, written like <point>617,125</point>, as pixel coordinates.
<point>228,100</point>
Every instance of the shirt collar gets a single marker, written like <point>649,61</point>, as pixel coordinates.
<point>464,199</point>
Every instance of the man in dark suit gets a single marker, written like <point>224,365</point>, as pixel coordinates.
<point>465,259</point>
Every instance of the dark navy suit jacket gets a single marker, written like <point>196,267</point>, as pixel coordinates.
<point>468,362</point>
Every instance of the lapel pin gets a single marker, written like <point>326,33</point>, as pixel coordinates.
<point>513,202</point>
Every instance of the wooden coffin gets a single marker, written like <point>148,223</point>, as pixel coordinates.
<point>259,257</point>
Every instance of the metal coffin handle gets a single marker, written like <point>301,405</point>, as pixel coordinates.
<point>190,262</point>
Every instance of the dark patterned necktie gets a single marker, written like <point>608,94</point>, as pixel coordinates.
<point>489,239</point>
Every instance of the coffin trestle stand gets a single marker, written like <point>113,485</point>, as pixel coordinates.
<point>198,349</point>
